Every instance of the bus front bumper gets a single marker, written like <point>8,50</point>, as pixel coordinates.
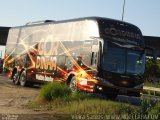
<point>104,88</point>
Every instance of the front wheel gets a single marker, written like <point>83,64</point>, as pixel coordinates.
<point>111,96</point>
<point>111,93</point>
<point>73,84</point>
<point>135,94</point>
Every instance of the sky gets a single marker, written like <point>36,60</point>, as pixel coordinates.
<point>143,13</point>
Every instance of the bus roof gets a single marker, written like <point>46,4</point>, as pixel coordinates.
<point>74,20</point>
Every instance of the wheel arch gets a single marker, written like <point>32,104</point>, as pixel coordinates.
<point>70,77</point>
<point>15,70</point>
<point>23,69</point>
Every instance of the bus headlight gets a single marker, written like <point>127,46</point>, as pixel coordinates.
<point>83,81</point>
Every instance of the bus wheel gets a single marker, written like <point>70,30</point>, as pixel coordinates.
<point>111,96</point>
<point>135,94</point>
<point>22,79</point>
<point>73,84</point>
<point>15,79</point>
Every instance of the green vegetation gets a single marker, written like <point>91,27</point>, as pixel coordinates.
<point>152,69</point>
<point>151,84</point>
<point>98,106</point>
<point>149,107</point>
<point>152,74</point>
<point>58,98</point>
<point>52,91</point>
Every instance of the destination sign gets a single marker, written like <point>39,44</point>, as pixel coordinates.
<point>118,32</point>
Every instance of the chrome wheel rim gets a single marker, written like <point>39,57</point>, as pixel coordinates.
<point>73,85</point>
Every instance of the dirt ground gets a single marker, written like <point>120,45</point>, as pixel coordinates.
<point>13,100</point>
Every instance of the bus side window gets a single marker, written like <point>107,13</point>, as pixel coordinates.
<point>94,58</point>
<point>79,60</point>
<point>69,64</point>
<point>61,60</point>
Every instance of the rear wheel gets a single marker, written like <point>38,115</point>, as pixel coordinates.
<point>15,78</point>
<point>22,79</point>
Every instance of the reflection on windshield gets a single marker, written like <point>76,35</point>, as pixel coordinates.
<point>122,60</point>
<point>113,60</point>
<point>135,62</point>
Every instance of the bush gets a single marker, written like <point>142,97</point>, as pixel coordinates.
<point>53,91</point>
<point>152,69</point>
<point>78,95</point>
<point>155,110</point>
<point>149,107</point>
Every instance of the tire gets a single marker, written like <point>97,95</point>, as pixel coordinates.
<point>135,94</point>
<point>22,79</point>
<point>111,96</point>
<point>15,79</point>
<point>110,93</point>
<point>73,84</point>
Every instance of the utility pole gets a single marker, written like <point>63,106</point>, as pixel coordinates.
<point>123,9</point>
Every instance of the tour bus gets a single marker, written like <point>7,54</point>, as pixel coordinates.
<point>92,54</point>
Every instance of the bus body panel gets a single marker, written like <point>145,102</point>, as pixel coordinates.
<point>39,48</point>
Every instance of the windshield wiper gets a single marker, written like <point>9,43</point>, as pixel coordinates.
<point>124,46</point>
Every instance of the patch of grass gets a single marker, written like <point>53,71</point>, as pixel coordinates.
<point>58,98</point>
<point>52,91</point>
<point>78,96</point>
<point>155,110</point>
<point>97,106</point>
<point>86,105</point>
<point>150,107</point>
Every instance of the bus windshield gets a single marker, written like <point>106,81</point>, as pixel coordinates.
<point>123,60</point>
